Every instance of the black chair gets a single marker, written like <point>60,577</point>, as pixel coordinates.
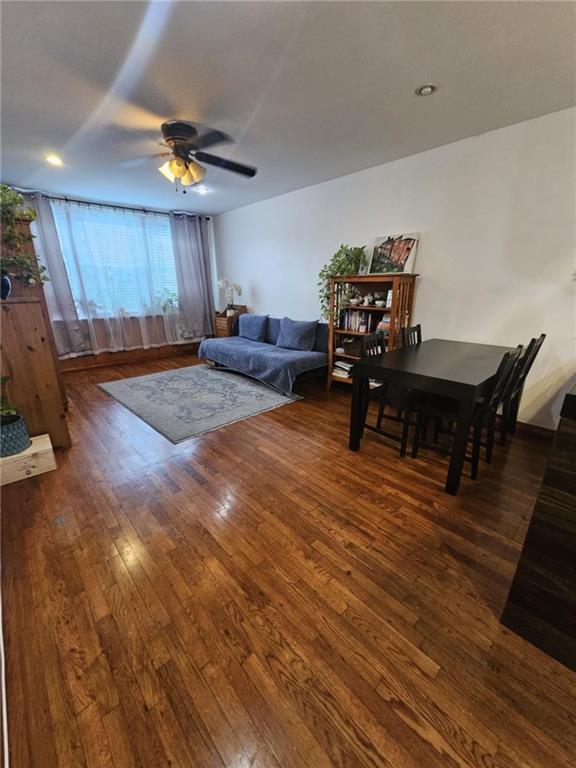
<point>512,396</point>
<point>446,409</point>
<point>385,395</point>
<point>411,335</point>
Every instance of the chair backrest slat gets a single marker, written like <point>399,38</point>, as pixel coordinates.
<point>411,335</point>
<point>526,362</point>
<point>500,381</point>
<point>373,346</point>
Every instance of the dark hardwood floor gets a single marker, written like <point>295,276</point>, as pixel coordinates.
<point>260,596</point>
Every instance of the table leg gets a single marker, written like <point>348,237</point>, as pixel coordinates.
<point>357,411</point>
<point>465,413</point>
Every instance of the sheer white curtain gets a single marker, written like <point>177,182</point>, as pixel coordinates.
<point>117,279</point>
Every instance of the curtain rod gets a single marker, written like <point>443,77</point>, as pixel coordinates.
<point>66,199</point>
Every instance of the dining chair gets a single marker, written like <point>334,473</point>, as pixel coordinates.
<point>411,335</point>
<point>384,395</point>
<point>446,409</point>
<point>512,396</point>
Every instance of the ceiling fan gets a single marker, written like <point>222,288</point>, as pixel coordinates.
<point>186,142</point>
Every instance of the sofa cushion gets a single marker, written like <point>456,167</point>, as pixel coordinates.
<point>252,327</point>
<point>272,330</point>
<point>297,334</point>
<point>320,344</point>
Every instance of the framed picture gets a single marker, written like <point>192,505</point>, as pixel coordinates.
<point>395,253</point>
<point>364,268</point>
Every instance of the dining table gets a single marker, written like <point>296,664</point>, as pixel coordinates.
<point>457,369</point>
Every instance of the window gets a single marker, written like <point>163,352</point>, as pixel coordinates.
<point>119,262</point>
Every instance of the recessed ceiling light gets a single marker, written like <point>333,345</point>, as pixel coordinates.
<point>426,90</point>
<point>202,190</point>
<point>54,159</point>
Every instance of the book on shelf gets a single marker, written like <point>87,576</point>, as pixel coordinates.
<point>343,365</point>
<point>358,320</point>
<point>340,373</point>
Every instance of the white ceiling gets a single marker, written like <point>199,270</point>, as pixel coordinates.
<point>311,91</point>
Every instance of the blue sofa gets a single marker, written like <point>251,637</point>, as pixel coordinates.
<point>273,365</point>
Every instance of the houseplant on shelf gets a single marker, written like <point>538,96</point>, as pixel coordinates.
<point>348,260</point>
<point>14,437</point>
<point>17,262</point>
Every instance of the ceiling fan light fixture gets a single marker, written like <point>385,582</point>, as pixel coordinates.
<point>196,170</point>
<point>187,180</point>
<point>166,172</point>
<point>177,167</point>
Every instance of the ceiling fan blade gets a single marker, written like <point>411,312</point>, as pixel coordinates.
<point>228,165</point>
<point>211,137</point>
<point>135,162</point>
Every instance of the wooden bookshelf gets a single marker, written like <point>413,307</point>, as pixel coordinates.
<point>398,314</point>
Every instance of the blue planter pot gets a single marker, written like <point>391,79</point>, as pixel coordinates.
<point>6,286</point>
<point>14,437</point>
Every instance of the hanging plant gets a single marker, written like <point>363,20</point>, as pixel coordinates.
<point>16,262</point>
<point>348,260</point>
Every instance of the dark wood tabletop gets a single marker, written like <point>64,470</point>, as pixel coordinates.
<point>458,369</point>
<point>458,363</point>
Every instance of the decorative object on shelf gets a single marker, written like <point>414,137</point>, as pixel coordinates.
<point>395,253</point>
<point>348,260</point>
<point>229,289</point>
<point>368,299</point>
<point>14,436</point>
<point>17,261</point>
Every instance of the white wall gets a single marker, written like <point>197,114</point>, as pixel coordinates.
<point>496,260</point>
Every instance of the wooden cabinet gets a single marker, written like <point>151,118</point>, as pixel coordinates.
<point>29,360</point>
<point>541,606</point>
<point>395,316</point>
<point>223,324</point>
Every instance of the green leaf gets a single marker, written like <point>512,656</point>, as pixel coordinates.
<point>348,260</point>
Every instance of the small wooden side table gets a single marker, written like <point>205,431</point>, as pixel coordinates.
<point>223,324</point>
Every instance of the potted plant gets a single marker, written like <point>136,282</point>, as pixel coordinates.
<point>348,260</point>
<point>229,288</point>
<point>17,262</point>
<point>14,437</point>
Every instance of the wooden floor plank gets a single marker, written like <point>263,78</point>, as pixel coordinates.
<point>259,596</point>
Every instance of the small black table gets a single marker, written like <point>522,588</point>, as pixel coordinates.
<point>457,369</point>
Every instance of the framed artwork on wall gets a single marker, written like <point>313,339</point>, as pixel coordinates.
<point>394,253</point>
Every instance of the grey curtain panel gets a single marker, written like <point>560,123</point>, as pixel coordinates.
<point>192,255</point>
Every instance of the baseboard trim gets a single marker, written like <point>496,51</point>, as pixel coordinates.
<point>106,359</point>
<point>534,429</point>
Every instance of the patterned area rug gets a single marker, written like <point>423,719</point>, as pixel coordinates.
<point>186,402</point>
